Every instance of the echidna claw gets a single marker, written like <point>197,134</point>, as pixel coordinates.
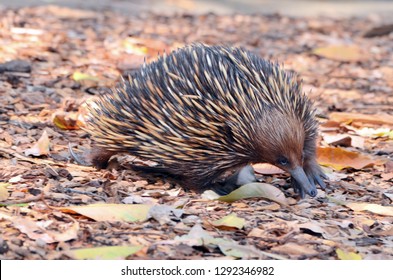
<point>319,180</point>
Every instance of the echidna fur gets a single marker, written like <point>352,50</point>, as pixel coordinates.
<point>203,110</point>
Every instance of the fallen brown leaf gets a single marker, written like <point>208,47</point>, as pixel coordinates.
<point>265,168</point>
<point>341,53</point>
<point>41,147</point>
<point>338,139</point>
<point>342,117</point>
<point>339,158</point>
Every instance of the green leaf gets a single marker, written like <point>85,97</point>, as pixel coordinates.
<point>251,190</point>
<point>103,253</point>
<point>79,76</point>
<point>231,220</point>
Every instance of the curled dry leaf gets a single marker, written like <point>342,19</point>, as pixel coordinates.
<point>67,121</point>
<point>41,147</point>
<point>344,140</point>
<point>131,47</point>
<point>338,139</point>
<point>34,231</point>
<point>339,158</point>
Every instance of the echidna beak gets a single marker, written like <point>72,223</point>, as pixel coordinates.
<point>303,182</point>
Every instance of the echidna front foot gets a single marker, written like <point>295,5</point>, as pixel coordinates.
<point>314,175</point>
<point>301,183</point>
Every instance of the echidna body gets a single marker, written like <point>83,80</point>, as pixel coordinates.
<point>201,111</point>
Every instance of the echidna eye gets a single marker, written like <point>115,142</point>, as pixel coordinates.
<point>283,161</point>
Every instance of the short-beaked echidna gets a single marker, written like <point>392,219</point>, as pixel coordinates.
<point>204,110</point>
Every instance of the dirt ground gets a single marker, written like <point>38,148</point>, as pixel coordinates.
<point>54,59</point>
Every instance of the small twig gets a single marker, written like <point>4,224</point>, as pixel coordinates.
<point>75,157</point>
<point>69,190</point>
<point>44,161</point>
<point>22,201</point>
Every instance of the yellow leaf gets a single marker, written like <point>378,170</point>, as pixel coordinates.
<point>69,121</point>
<point>231,221</point>
<point>134,49</point>
<point>3,191</point>
<point>103,253</point>
<point>342,255</point>
<point>41,147</point>
<point>256,190</point>
<point>79,76</point>
<point>341,53</point>
<point>375,133</point>
<point>111,212</point>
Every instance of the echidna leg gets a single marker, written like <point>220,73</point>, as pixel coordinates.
<point>99,157</point>
<point>243,176</point>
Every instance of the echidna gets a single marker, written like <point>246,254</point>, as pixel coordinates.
<point>204,110</point>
